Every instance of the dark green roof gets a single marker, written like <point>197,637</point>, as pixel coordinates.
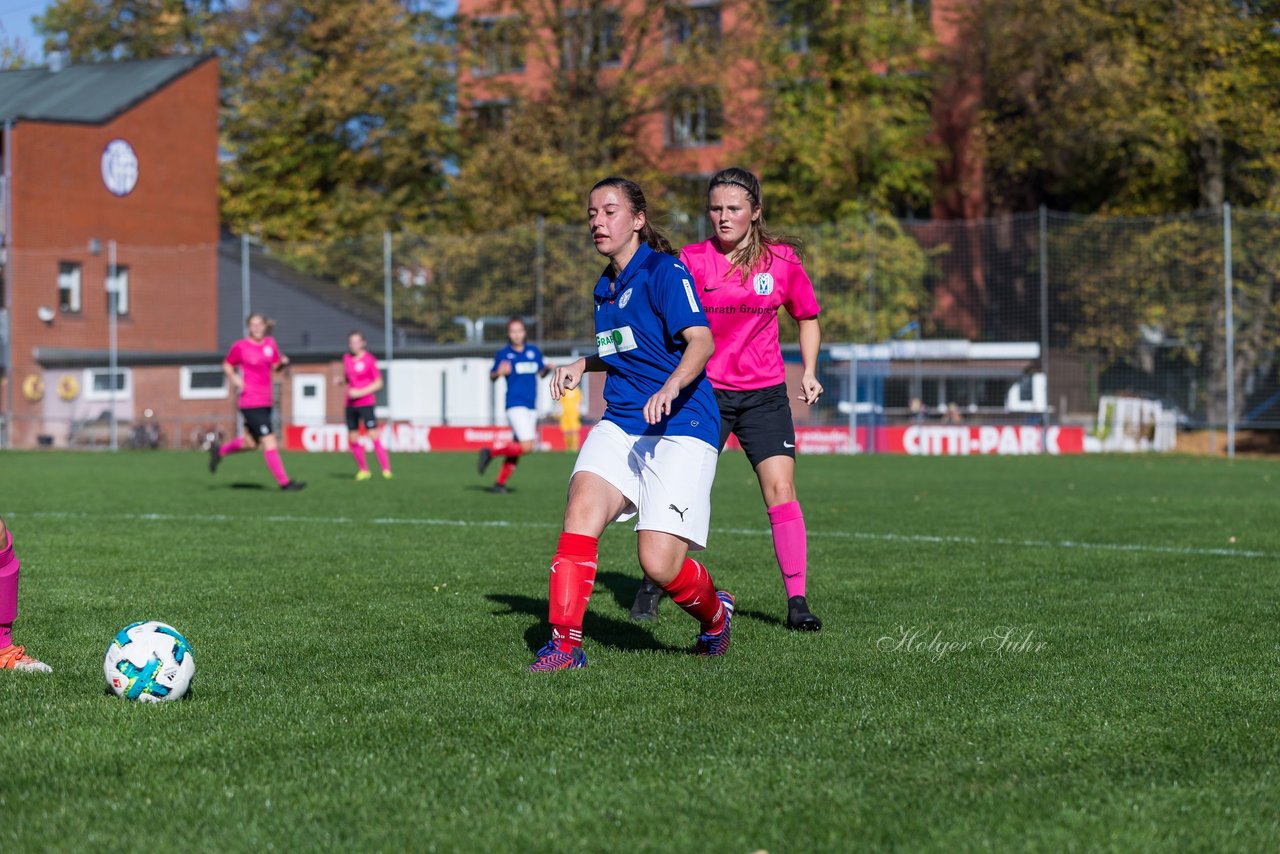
<point>89,94</point>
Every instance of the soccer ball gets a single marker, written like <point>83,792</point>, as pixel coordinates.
<point>150,662</point>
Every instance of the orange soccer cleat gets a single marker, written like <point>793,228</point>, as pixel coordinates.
<point>13,657</point>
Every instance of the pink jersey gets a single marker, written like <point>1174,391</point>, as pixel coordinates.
<point>360,370</point>
<point>744,315</point>
<point>255,361</point>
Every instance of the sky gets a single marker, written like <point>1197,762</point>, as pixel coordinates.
<point>15,17</point>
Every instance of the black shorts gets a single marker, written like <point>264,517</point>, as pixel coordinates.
<point>761,418</point>
<point>357,415</point>
<point>257,420</point>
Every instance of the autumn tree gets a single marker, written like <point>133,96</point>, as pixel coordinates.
<point>1142,107</point>
<point>335,117</point>
<point>97,30</point>
<point>849,89</point>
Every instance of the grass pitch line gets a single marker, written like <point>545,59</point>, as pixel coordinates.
<point>1137,548</point>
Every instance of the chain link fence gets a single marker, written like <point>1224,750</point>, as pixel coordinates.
<point>1042,318</point>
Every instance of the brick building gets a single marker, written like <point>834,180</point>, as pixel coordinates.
<point>110,202</point>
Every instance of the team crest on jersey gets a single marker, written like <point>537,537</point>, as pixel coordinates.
<point>625,298</point>
<point>763,283</point>
<point>268,352</point>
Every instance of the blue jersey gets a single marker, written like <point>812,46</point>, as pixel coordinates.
<point>522,382</point>
<point>638,318</point>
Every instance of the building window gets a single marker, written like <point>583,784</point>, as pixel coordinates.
<point>491,116</point>
<point>97,384</point>
<point>203,382</point>
<point>792,24</point>
<point>499,46</point>
<point>118,285</point>
<point>696,24</point>
<point>695,117</point>
<point>592,38</point>
<point>69,287</point>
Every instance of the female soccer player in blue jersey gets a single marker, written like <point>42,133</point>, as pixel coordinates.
<point>521,363</point>
<point>653,454</point>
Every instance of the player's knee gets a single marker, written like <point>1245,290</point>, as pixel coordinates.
<point>779,492</point>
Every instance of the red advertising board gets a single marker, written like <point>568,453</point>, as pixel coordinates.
<point>916,440</point>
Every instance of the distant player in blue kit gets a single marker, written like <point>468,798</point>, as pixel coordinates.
<point>522,364</point>
<point>653,454</point>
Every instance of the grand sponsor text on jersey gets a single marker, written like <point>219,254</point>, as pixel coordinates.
<point>638,319</point>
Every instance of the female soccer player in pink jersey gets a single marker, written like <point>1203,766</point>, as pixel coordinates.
<point>12,656</point>
<point>364,380</point>
<point>248,366</point>
<point>744,275</point>
<point>652,454</point>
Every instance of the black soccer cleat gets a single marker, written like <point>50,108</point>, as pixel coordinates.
<point>215,455</point>
<point>645,608</point>
<point>483,462</point>
<point>800,618</point>
<point>499,489</point>
<point>294,486</point>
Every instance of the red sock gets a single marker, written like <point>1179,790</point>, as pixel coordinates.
<point>693,590</point>
<point>573,573</point>
<point>508,466</point>
<point>511,449</point>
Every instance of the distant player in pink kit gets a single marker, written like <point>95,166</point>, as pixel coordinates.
<point>364,380</point>
<point>12,656</point>
<point>249,365</point>
<point>744,275</point>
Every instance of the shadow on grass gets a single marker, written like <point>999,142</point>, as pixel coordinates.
<point>609,631</point>
<point>488,487</point>
<point>243,485</point>
<point>623,589</point>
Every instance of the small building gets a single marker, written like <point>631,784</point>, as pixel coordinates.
<point>110,227</point>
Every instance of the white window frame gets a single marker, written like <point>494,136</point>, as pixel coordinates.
<point>93,394</point>
<point>186,392</point>
<point>70,274</point>
<point>120,284</point>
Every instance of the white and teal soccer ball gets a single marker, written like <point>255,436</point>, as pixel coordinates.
<point>150,662</point>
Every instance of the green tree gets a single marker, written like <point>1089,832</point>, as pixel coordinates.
<point>847,128</point>
<point>1128,106</point>
<point>96,30</point>
<point>335,117</point>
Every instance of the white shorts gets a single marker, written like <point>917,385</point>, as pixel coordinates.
<point>666,479</point>
<point>524,423</point>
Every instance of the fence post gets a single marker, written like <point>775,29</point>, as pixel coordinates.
<point>245,306</point>
<point>386,295</point>
<point>1230,329</point>
<point>539,276</point>
<point>113,357</point>
<point>1044,325</point>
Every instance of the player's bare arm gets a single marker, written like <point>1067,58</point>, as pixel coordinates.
<point>810,342</point>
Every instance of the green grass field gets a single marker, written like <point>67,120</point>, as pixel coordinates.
<point>360,652</point>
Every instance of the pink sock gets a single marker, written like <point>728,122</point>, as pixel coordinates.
<point>790,544</point>
<point>8,591</point>
<point>357,451</point>
<point>236,444</point>
<point>383,461</point>
<point>276,466</point>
